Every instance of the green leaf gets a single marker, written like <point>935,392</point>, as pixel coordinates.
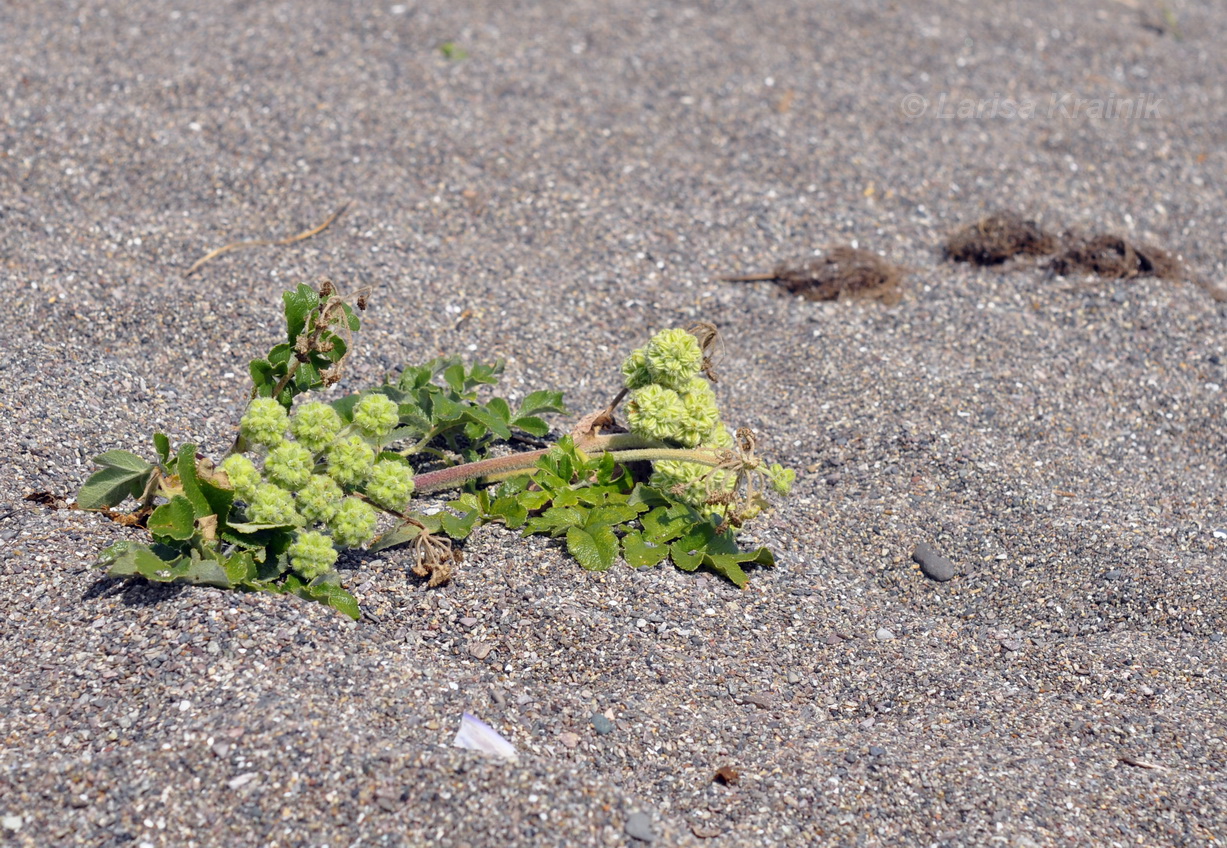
<point>532,425</point>
<point>175,519</point>
<point>510,510</point>
<point>607,516</point>
<point>458,527</point>
<point>186,468</point>
<point>110,487</point>
<point>123,475</point>
<point>640,553</point>
<point>298,306</point>
<point>539,402</point>
<point>500,408</point>
<point>240,568</point>
<point>491,421</point>
<point>123,460</point>
<point>262,377</point>
<point>132,559</point>
<point>332,595</point>
<point>663,524</point>
<point>454,377</point>
<point>161,444</point>
<point>729,565</point>
<point>594,549</point>
<point>554,521</point>
<point>396,536</point>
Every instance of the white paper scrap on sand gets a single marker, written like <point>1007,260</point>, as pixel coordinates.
<point>476,735</point>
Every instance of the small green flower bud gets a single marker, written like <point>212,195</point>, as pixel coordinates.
<point>391,484</point>
<point>655,412</point>
<point>376,415</point>
<point>315,424</point>
<point>264,422</point>
<point>674,358</point>
<point>354,523</point>
<point>781,478</point>
<point>312,555</point>
<point>272,505</point>
<point>319,499</point>
<point>702,417</point>
<point>350,461</point>
<point>635,370</point>
<point>692,482</point>
<point>289,465</point>
<point>243,474</point>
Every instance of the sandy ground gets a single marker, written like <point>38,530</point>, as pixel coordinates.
<point>569,177</point>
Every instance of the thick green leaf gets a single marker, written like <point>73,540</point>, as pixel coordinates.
<point>298,306</point>
<point>454,376</point>
<point>640,553</point>
<point>606,516</point>
<point>510,510</point>
<point>554,521</point>
<point>161,444</point>
<point>594,549</point>
<point>240,568</point>
<point>729,565</point>
<point>112,486</point>
<point>458,527</point>
<point>531,424</point>
<point>130,559</point>
<point>186,468</point>
<point>663,524</point>
<point>333,595</point>
<point>491,421</point>
<point>219,499</point>
<point>539,402</point>
<point>500,408</point>
<point>122,460</point>
<point>396,536</point>
<point>174,519</point>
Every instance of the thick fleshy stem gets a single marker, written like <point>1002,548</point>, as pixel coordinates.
<point>625,447</point>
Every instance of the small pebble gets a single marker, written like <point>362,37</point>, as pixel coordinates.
<point>876,751</point>
<point>639,826</point>
<point>602,724</point>
<point>480,650</point>
<point>884,635</point>
<point>932,564</point>
<point>851,757</point>
<point>569,739</point>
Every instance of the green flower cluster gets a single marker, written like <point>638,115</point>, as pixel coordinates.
<point>319,476</point>
<point>670,402</point>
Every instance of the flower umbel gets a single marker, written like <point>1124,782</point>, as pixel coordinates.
<point>264,422</point>
<point>315,425</point>
<point>376,415</point>
<point>312,554</point>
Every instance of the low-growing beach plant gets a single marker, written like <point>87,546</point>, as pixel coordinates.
<point>306,479</point>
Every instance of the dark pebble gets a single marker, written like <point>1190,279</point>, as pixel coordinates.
<point>851,757</point>
<point>932,564</point>
<point>876,751</point>
<point>639,825</point>
<point>602,724</point>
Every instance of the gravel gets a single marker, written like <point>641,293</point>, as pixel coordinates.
<point>575,180</point>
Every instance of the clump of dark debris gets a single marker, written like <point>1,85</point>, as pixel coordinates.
<point>842,271</point>
<point>1115,258</point>
<point>999,237</point>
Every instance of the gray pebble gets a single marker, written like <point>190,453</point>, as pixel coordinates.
<point>876,751</point>
<point>884,635</point>
<point>602,724</point>
<point>932,564</point>
<point>639,826</point>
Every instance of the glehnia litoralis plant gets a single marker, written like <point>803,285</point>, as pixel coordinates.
<point>306,479</point>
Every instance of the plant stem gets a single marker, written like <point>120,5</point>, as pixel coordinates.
<point>624,447</point>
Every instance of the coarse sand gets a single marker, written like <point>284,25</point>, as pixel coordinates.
<point>549,183</point>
